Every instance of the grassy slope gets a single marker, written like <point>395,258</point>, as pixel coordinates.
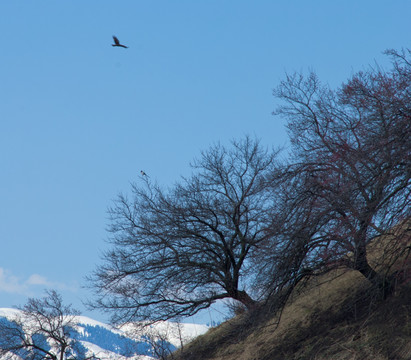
<point>335,316</point>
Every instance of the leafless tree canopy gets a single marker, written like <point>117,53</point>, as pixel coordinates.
<point>352,156</point>
<point>177,251</point>
<point>242,227</point>
<point>42,330</point>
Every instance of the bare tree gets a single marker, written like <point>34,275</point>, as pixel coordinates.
<point>42,329</point>
<point>160,337</point>
<point>176,252</point>
<point>291,253</point>
<point>352,155</point>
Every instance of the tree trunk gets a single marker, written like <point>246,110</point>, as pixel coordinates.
<point>245,299</point>
<point>380,283</point>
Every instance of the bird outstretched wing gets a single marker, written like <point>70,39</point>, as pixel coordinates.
<point>116,41</point>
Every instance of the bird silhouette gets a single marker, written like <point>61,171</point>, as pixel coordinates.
<point>117,43</point>
<point>143,173</point>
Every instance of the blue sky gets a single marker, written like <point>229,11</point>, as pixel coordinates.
<point>79,118</point>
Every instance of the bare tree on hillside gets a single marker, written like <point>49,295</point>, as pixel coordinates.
<point>176,252</point>
<point>352,155</point>
<point>42,329</point>
<point>289,256</point>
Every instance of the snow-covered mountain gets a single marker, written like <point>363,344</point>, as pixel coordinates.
<point>131,341</point>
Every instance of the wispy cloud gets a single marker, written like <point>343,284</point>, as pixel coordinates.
<point>37,279</point>
<point>12,284</point>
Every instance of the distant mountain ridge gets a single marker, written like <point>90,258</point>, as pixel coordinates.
<point>130,341</point>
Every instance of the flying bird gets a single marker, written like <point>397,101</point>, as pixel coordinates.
<point>117,43</point>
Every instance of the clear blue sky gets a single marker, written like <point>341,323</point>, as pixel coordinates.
<point>79,119</point>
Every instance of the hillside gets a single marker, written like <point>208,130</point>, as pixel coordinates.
<point>334,316</point>
<point>336,319</point>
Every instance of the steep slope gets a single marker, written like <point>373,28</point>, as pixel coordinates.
<point>337,317</point>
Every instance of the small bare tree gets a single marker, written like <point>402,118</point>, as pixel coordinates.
<point>352,158</point>
<point>159,337</point>
<point>42,329</point>
<point>176,252</point>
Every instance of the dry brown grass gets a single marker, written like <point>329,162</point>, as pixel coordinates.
<point>335,316</point>
<point>334,319</point>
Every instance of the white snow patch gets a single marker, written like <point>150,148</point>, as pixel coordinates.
<point>108,355</point>
<point>175,333</point>
<point>9,313</point>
